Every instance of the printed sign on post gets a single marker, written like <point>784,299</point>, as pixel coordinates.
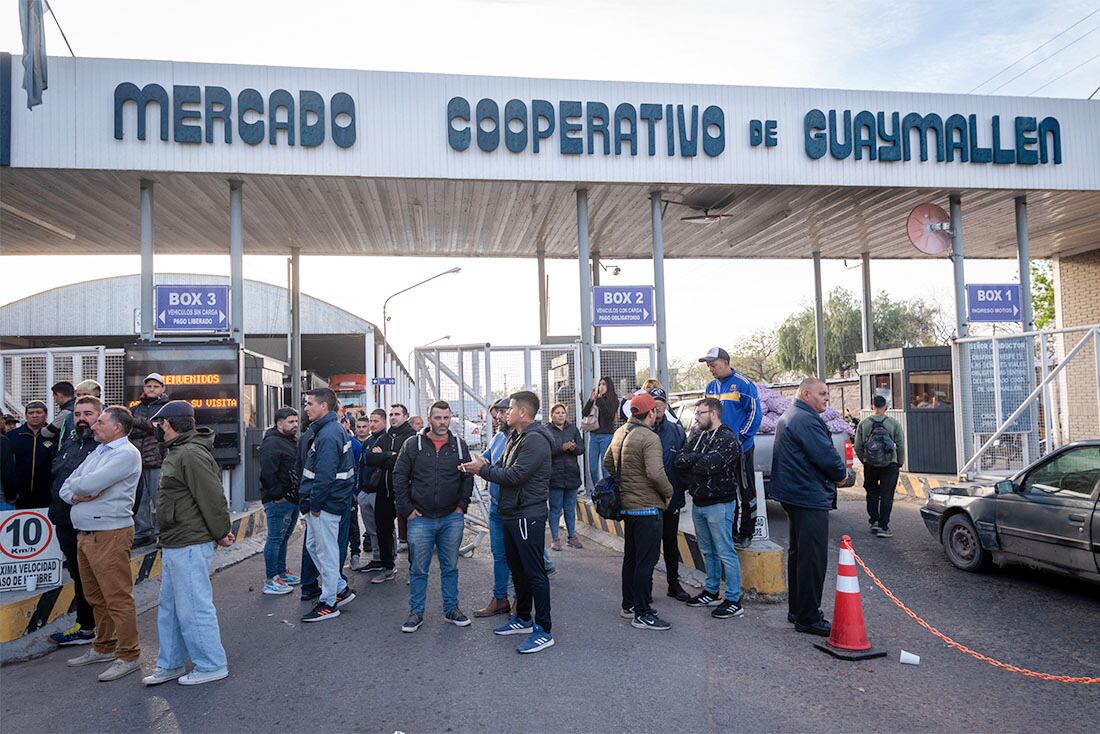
<point>992,302</point>
<point>30,557</point>
<point>622,305</point>
<point>192,308</point>
<point>383,380</point>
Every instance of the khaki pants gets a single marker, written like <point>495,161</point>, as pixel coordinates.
<point>104,559</point>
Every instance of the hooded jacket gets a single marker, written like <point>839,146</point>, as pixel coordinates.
<point>390,442</point>
<point>191,505</point>
<point>328,475</point>
<point>805,464</point>
<point>69,456</point>
<point>565,471</point>
<point>428,480</point>
<point>643,483</point>
<point>710,464</point>
<point>523,473</point>
<point>62,426</point>
<point>278,467</point>
<point>33,456</point>
<point>143,435</point>
<point>673,437</point>
<point>363,481</point>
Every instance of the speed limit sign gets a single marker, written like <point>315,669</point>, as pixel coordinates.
<point>30,557</point>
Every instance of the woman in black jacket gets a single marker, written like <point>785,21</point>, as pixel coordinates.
<point>565,476</point>
<point>606,403</point>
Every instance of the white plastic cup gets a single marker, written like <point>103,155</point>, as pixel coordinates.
<point>908,658</point>
<point>32,582</point>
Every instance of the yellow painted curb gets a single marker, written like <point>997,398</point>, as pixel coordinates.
<point>763,572</point>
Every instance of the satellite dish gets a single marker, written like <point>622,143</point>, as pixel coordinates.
<point>928,227</point>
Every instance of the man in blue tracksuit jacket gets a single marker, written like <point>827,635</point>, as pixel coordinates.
<point>741,411</point>
<point>325,492</point>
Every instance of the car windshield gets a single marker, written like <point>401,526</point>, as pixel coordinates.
<point>1076,471</point>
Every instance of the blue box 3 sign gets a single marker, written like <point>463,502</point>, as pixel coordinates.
<point>992,302</point>
<point>202,308</point>
<point>622,305</point>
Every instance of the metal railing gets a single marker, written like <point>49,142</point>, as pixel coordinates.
<point>28,374</point>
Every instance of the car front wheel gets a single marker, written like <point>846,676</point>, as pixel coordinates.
<point>961,543</point>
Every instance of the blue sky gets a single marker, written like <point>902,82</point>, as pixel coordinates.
<point>932,46</point>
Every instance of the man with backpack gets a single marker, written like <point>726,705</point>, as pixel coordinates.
<point>880,446</point>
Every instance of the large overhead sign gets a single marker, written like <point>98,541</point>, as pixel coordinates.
<point>200,308</point>
<point>992,302</point>
<point>622,305</point>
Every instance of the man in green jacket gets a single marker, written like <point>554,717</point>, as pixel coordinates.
<point>880,446</point>
<point>193,519</point>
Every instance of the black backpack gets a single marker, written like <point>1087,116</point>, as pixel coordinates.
<point>607,494</point>
<point>880,446</point>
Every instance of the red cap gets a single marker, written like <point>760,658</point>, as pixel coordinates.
<point>642,403</point>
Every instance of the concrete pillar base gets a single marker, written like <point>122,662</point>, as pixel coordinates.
<point>763,574</point>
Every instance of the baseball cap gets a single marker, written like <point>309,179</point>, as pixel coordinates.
<point>35,404</point>
<point>641,404</point>
<point>715,353</point>
<point>154,376</point>
<point>658,393</point>
<point>175,409</point>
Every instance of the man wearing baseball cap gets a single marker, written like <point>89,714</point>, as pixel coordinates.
<point>741,411</point>
<point>194,518</point>
<point>34,453</point>
<point>153,398</point>
<point>635,458</point>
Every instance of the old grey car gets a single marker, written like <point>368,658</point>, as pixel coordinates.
<point>1044,516</point>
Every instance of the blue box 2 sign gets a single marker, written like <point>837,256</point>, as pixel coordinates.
<point>622,305</point>
<point>192,308</point>
<point>992,302</point>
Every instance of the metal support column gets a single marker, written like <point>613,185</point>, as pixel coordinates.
<point>868,316</point>
<point>597,332</point>
<point>236,262</point>
<point>819,318</point>
<point>147,308</point>
<point>543,313</point>
<point>958,261</point>
<point>296,328</point>
<point>587,367</point>
<point>369,368</point>
<point>1023,254</point>
<point>659,288</point>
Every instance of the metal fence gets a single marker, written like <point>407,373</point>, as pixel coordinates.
<point>28,374</point>
<point>1019,396</point>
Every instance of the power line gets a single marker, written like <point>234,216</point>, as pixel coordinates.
<point>58,24</point>
<point>1041,61</point>
<point>1047,84</point>
<point>1002,71</point>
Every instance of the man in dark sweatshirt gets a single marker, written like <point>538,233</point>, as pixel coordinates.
<point>523,474</point>
<point>433,494</point>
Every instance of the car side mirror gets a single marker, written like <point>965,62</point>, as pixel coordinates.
<point>1005,486</point>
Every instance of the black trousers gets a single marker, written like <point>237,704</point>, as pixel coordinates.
<point>524,541</point>
<point>670,528</point>
<point>385,512</point>
<point>642,548</point>
<point>746,525</point>
<point>880,482</point>
<point>355,537</point>
<point>807,557</point>
<point>66,538</point>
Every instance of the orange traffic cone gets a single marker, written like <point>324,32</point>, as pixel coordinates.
<point>848,639</point>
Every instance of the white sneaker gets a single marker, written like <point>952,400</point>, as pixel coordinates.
<point>91,657</point>
<point>160,675</point>
<point>118,669</point>
<point>197,677</point>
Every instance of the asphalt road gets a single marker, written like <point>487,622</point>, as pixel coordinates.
<point>360,673</point>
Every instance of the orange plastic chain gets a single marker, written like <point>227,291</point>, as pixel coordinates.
<point>963,648</point>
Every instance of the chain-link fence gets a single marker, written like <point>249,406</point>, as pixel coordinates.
<point>28,374</point>
<point>1019,396</point>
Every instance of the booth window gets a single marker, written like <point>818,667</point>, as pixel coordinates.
<point>888,386</point>
<point>248,405</point>
<point>929,390</point>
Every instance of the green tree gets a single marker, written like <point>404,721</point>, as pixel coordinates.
<point>688,376</point>
<point>755,356</point>
<point>1042,293</point>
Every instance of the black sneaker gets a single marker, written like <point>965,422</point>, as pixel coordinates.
<point>677,592</point>
<point>743,541</point>
<point>727,610</point>
<point>310,593</point>
<point>457,618</point>
<point>345,597</point>
<point>321,612</point>
<point>371,567</point>
<point>387,574</point>
<point>705,599</point>
<point>627,612</point>
<point>791,618</point>
<point>874,528</point>
<point>884,532</point>
<point>821,628</point>
<point>412,624</point>
<point>650,621</point>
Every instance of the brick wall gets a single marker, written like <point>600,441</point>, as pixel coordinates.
<point>1077,303</point>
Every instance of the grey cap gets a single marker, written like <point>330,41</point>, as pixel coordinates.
<point>502,404</point>
<point>175,409</point>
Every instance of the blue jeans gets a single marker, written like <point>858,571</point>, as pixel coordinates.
<point>714,533</point>
<point>426,534</point>
<point>597,446</point>
<point>500,564</point>
<point>563,500</point>
<point>311,577</point>
<point>325,547</point>
<point>187,621</point>
<point>282,518</point>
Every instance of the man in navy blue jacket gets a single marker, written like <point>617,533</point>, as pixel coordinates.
<point>672,436</point>
<point>325,491</point>
<point>805,471</point>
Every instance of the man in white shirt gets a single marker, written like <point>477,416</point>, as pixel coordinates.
<point>102,491</point>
